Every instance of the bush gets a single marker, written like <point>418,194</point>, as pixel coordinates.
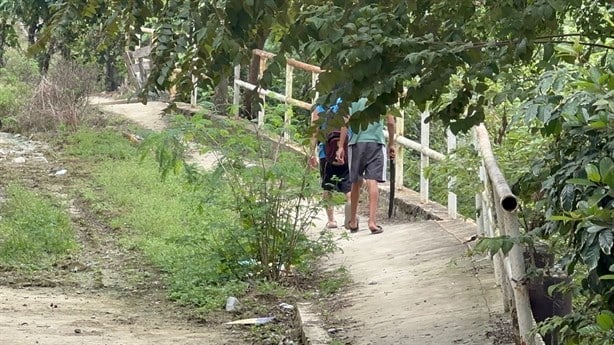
<point>271,192</point>
<point>60,99</point>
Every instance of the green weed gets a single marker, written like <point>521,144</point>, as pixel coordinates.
<point>34,233</point>
<point>96,145</point>
<point>162,219</point>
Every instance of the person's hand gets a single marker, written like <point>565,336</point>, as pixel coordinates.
<point>339,156</point>
<point>313,161</point>
<point>392,153</point>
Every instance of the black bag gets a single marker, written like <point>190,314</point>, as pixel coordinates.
<point>330,148</point>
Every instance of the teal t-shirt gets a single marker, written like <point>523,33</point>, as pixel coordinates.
<point>374,131</point>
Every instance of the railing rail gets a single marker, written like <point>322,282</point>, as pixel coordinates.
<point>498,218</point>
<point>422,147</point>
<point>497,205</point>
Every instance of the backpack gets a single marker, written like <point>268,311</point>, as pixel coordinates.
<point>330,148</point>
<point>332,136</point>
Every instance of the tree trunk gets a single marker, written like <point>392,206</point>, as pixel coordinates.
<point>32,33</point>
<point>111,79</point>
<point>250,98</point>
<point>43,61</point>
<point>220,98</point>
<point>2,62</point>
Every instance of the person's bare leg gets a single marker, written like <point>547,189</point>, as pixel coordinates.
<point>373,198</point>
<point>354,196</point>
<point>347,209</point>
<point>330,212</point>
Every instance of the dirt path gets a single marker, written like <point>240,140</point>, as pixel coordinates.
<point>52,316</point>
<point>103,295</point>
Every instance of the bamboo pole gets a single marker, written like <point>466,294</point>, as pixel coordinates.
<point>294,63</point>
<point>288,113</point>
<point>508,200</point>
<point>261,69</point>
<point>236,95</point>
<point>275,95</point>
<point>452,202</point>
<point>506,204</point>
<point>400,131</point>
<point>425,132</point>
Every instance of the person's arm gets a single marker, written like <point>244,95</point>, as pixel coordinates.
<point>390,124</point>
<point>343,136</point>
<point>313,156</point>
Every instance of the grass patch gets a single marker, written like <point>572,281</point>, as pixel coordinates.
<point>106,144</point>
<point>34,233</point>
<point>162,219</point>
<point>334,281</point>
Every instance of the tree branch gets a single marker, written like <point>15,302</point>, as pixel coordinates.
<point>590,44</point>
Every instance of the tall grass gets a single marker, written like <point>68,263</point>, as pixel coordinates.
<point>34,233</point>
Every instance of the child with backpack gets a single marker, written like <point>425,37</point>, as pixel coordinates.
<point>334,174</point>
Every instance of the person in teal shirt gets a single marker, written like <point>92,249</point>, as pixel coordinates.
<point>367,153</point>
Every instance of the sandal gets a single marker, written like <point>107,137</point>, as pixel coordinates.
<point>331,225</point>
<point>353,230</point>
<point>377,230</point>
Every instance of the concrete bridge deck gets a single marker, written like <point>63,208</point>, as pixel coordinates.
<point>416,284</point>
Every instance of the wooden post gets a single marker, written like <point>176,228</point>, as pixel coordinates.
<point>262,97</point>
<point>400,131</point>
<point>424,159</point>
<point>314,81</point>
<point>194,93</point>
<point>236,95</point>
<point>288,113</point>
<point>452,203</point>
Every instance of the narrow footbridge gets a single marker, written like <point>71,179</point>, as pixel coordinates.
<point>416,283</point>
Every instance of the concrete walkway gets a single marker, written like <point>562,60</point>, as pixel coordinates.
<point>413,284</point>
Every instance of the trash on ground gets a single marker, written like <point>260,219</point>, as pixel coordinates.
<point>252,321</point>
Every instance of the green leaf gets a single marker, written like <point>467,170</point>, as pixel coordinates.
<point>592,173</point>
<point>607,277</point>
<point>567,197</point>
<point>561,218</point>
<point>581,182</point>
<point>606,240</point>
<point>590,255</point>
<point>593,229</point>
<point>605,321</point>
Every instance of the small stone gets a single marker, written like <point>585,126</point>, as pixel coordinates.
<point>77,330</point>
<point>232,304</point>
<point>19,160</point>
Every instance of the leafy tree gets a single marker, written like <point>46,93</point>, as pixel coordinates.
<point>572,185</point>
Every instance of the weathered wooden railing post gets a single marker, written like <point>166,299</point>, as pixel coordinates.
<point>400,153</point>
<point>452,202</point>
<point>288,112</point>
<point>425,138</point>
<point>263,61</point>
<point>236,92</point>
<point>314,82</point>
